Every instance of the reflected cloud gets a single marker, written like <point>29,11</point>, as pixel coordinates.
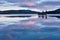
<point>46,20</point>
<point>29,23</point>
<point>16,19</point>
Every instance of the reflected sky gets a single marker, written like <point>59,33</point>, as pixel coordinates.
<point>29,29</point>
<point>31,21</point>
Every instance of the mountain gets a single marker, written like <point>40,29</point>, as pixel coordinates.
<point>19,12</point>
<point>29,12</point>
<point>57,11</point>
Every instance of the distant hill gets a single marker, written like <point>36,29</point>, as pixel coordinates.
<point>19,12</point>
<point>57,11</point>
<point>29,12</point>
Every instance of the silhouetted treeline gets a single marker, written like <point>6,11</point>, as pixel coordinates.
<point>29,12</point>
<point>19,12</point>
<point>54,12</point>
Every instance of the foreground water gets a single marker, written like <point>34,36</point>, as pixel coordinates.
<point>29,28</point>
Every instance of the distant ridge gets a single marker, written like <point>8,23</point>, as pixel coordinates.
<point>18,12</point>
<point>57,11</point>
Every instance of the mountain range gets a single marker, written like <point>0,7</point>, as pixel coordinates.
<point>57,11</point>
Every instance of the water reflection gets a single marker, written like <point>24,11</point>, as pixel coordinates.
<point>28,23</point>
<point>29,29</point>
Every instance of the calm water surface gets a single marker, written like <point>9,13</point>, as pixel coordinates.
<point>29,28</point>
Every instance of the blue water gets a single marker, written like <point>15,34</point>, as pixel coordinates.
<point>29,34</point>
<point>39,29</point>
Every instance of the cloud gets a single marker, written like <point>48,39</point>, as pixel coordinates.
<point>50,0</point>
<point>38,4</point>
<point>5,3</point>
<point>55,3</point>
<point>14,1</point>
<point>47,6</point>
<point>29,3</point>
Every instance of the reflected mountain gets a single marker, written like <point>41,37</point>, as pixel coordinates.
<point>55,16</point>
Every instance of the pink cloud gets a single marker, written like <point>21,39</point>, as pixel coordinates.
<point>29,3</point>
<point>47,6</point>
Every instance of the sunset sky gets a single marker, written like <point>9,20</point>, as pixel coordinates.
<point>37,4</point>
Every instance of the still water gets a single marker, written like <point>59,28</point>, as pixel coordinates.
<point>29,28</point>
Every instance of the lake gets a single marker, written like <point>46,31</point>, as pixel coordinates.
<point>29,28</point>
